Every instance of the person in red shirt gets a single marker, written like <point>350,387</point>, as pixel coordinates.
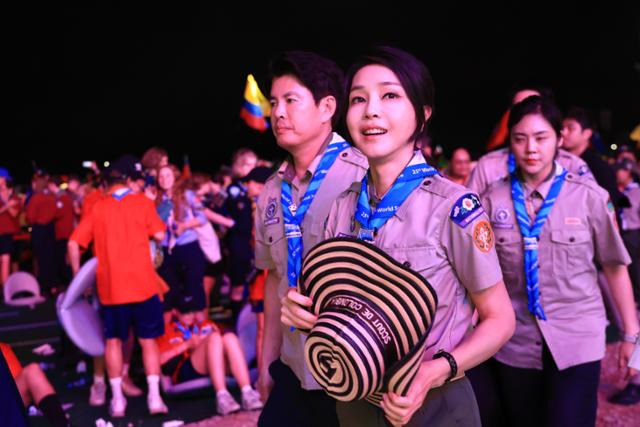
<point>63,226</point>
<point>41,213</point>
<point>128,288</point>
<point>190,349</point>
<point>33,385</point>
<point>10,206</point>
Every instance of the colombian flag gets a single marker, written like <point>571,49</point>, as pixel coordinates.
<point>255,108</point>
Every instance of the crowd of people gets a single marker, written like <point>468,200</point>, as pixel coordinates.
<point>532,251</point>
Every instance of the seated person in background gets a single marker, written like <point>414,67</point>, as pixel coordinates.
<point>190,349</point>
<point>34,386</point>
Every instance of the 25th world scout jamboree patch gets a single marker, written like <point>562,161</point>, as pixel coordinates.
<point>466,209</point>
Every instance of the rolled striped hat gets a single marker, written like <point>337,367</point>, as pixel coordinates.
<point>374,315</point>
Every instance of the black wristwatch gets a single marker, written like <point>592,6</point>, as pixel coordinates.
<point>452,363</point>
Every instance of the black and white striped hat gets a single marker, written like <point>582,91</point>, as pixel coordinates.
<point>374,315</point>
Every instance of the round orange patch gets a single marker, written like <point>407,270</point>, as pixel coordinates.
<point>483,236</point>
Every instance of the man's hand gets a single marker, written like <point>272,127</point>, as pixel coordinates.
<point>625,350</point>
<point>293,312</point>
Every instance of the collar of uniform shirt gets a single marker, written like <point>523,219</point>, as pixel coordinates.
<point>543,189</point>
<point>288,173</point>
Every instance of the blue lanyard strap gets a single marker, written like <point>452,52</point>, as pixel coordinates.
<point>406,182</point>
<point>293,215</point>
<point>186,332</point>
<point>530,233</point>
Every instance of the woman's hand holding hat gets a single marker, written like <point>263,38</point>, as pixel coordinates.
<point>399,409</point>
<point>294,313</point>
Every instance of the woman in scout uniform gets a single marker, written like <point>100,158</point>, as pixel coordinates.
<point>426,222</point>
<point>549,226</point>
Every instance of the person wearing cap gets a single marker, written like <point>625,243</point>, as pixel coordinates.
<point>630,231</point>
<point>120,226</point>
<point>237,206</point>
<point>255,181</point>
<point>191,349</point>
<point>550,225</point>
<point>427,223</point>
<point>306,102</point>
<point>10,206</point>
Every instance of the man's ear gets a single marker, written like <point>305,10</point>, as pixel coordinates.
<point>327,106</point>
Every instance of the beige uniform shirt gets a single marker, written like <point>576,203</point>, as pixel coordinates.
<point>493,166</point>
<point>580,227</point>
<point>271,244</point>
<point>456,256</point>
<point>631,216</point>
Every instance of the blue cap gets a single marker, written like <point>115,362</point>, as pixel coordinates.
<point>4,173</point>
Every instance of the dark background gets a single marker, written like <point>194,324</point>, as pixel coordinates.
<point>97,81</point>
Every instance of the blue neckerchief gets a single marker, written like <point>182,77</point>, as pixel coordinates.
<point>407,181</point>
<point>530,234</point>
<point>511,163</point>
<point>119,195</point>
<point>293,215</point>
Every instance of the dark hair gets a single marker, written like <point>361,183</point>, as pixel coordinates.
<point>414,77</point>
<point>544,91</point>
<point>241,152</point>
<point>582,116</point>
<point>536,105</point>
<point>320,75</point>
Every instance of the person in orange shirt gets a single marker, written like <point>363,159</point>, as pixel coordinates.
<point>190,349</point>
<point>33,385</point>
<point>128,288</point>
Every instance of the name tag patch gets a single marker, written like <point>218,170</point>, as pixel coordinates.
<point>572,221</point>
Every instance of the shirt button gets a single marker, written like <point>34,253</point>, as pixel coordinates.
<point>426,182</point>
<point>270,239</point>
<point>501,239</point>
<point>538,343</point>
<point>572,239</point>
<point>343,155</point>
<point>406,264</point>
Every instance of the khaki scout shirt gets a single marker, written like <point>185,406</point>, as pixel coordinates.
<point>631,216</point>
<point>271,245</point>
<point>454,259</point>
<point>493,166</point>
<point>580,227</point>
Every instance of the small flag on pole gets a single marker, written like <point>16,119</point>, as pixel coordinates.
<point>255,108</point>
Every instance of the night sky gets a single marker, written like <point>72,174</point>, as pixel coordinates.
<point>94,82</point>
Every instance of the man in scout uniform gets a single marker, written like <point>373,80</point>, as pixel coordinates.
<point>120,226</point>
<point>306,99</point>
<point>630,231</point>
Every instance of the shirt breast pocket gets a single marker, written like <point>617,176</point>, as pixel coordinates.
<point>572,252</point>
<point>510,252</point>
<point>423,260</point>
<point>277,244</point>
